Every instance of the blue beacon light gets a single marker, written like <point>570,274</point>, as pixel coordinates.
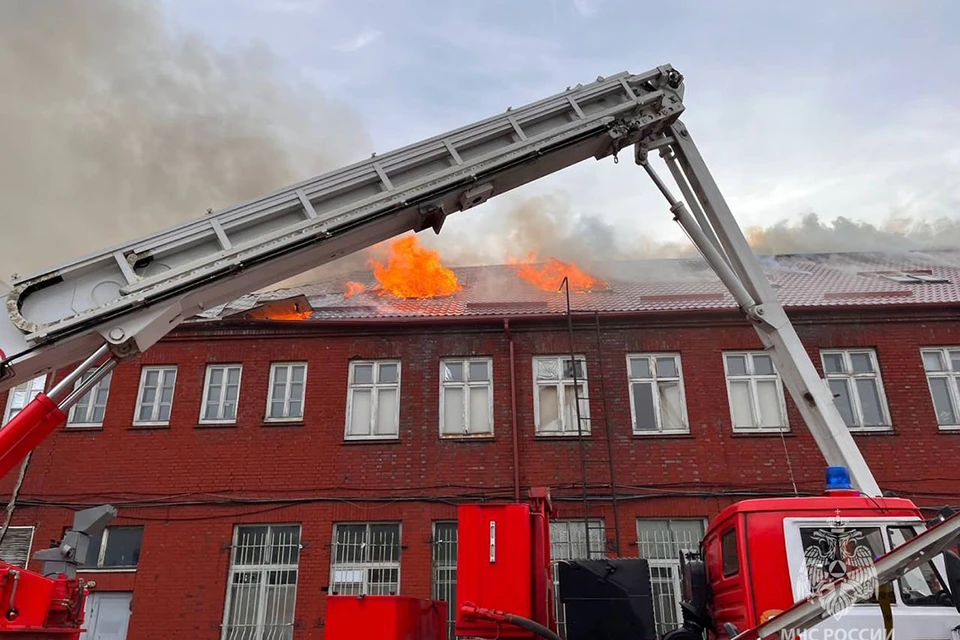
<point>838,479</point>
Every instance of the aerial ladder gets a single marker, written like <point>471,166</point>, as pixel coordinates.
<point>115,304</point>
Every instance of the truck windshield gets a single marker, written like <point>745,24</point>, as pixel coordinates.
<point>921,586</point>
<point>831,553</point>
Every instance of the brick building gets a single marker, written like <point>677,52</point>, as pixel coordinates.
<point>301,442</point>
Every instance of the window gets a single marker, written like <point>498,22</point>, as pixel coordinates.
<point>155,398</point>
<point>755,392</point>
<point>729,553</point>
<point>555,397</point>
<point>661,542</point>
<point>943,377</point>
<point>466,397</point>
<point>90,409</point>
<point>287,384</point>
<point>221,391</point>
<point>373,400</point>
<point>568,541</point>
<point>15,548</point>
<point>114,548</point>
<point>445,570</point>
<point>921,586</point>
<point>854,380</point>
<point>21,395</point>
<point>656,394</point>
<point>262,584</point>
<point>366,559</point>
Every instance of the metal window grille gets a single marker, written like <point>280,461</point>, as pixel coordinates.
<point>15,547</point>
<point>568,541</point>
<point>466,397</point>
<point>287,384</point>
<point>366,559</point>
<point>373,400</point>
<point>755,392</point>
<point>854,379</point>
<point>21,395</point>
<point>657,399</point>
<point>555,397</point>
<point>943,378</point>
<point>660,542</point>
<point>91,408</point>
<point>155,397</point>
<point>221,393</point>
<point>445,570</point>
<point>262,586</point>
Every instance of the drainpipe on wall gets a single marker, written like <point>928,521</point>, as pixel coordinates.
<point>513,414</point>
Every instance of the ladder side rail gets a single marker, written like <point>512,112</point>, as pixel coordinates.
<point>778,335</point>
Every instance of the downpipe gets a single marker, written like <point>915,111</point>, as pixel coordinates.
<point>513,413</point>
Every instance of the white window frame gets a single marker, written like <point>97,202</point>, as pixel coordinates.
<point>366,566</point>
<point>753,378</point>
<point>850,377</point>
<point>286,417</point>
<point>953,383</point>
<point>375,388</point>
<point>566,431</point>
<point>260,630</point>
<point>652,357</point>
<point>33,387</point>
<point>102,552</point>
<point>164,371</point>
<point>90,397</point>
<point>465,385</point>
<point>206,392</point>
<point>31,531</point>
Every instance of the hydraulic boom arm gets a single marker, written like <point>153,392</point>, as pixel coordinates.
<point>128,297</point>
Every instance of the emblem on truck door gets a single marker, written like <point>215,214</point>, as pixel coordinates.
<point>834,553</point>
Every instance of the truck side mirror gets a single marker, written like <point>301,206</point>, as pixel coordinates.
<point>952,562</point>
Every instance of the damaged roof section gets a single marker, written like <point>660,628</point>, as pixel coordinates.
<point>643,286</point>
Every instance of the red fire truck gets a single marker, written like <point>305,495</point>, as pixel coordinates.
<point>117,303</point>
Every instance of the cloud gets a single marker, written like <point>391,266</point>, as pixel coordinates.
<point>587,8</point>
<point>116,124</point>
<point>361,40</point>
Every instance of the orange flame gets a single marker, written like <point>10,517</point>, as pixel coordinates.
<point>414,272</point>
<point>353,288</point>
<point>550,274</point>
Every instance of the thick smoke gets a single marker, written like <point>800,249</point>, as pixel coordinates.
<point>116,124</point>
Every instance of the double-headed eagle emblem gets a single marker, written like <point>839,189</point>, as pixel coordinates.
<point>837,554</point>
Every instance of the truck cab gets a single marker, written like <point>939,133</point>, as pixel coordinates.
<point>759,557</point>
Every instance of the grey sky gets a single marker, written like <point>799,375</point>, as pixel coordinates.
<point>131,124</point>
<point>843,108</point>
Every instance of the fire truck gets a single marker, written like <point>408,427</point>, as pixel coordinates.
<point>766,567</point>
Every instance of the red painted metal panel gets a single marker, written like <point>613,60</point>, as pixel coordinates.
<point>494,567</point>
<point>385,618</point>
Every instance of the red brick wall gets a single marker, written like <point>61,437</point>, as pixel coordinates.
<point>181,580</point>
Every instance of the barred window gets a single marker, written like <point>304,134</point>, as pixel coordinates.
<point>262,585</point>
<point>660,542</point>
<point>445,570</point>
<point>366,559</point>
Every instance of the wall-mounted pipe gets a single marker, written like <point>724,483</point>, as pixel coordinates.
<point>513,413</point>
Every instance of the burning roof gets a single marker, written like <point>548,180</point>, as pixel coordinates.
<point>812,280</point>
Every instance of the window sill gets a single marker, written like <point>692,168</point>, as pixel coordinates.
<point>951,428</point>
<point>83,427</point>
<point>149,427</point>
<point>107,570</point>
<point>672,435</point>
<point>561,436</point>
<point>763,433</point>
<point>370,441</point>
<point>216,425</point>
<point>879,431</point>
<point>479,437</point>
<point>281,423</point>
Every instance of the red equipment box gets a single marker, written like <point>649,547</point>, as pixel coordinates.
<point>385,618</point>
<point>494,567</point>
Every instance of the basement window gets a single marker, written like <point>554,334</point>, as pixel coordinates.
<point>366,559</point>
<point>373,400</point>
